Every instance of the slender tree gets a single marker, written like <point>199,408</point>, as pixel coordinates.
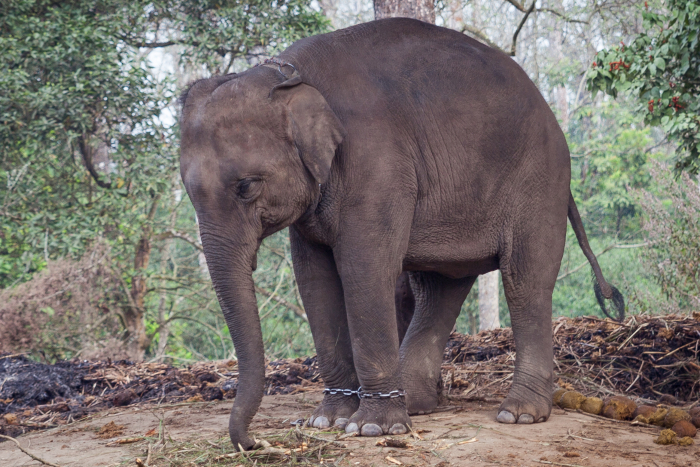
<point>423,10</point>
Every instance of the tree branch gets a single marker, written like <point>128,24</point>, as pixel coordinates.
<point>561,15</point>
<point>172,233</point>
<point>86,152</point>
<point>517,5</point>
<point>521,8</point>
<point>520,26</point>
<point>297,310</point>
<point>480,35</point>
<point>605,250</point>
<point>147,45</point>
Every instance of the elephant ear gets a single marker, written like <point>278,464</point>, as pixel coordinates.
<point>316,129</point>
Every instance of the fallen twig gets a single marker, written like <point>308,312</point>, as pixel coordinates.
<point>556,463</point>
<point>117,442</point>
<point>623,422</point>
<point>318,438</point>
<point>36,458</point>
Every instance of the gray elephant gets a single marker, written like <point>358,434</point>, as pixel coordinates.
<point>388,147</point>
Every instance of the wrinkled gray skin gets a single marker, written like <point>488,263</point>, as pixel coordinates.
<point>402,147</point>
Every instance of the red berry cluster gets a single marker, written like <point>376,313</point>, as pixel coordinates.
<point>674,103</point>
<point>618,64</point>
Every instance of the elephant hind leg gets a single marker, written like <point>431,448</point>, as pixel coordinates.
<point>438,303</point>
<point>405,304</point>
<point>529,276</point>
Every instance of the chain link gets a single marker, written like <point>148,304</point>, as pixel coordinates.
<point>343,392</point>
<point>279,63</point>
<point>383,395</point>
<point>366,395</point>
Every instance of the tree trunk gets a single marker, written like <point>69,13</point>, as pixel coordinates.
<point>456,19</point>
<point>330,9</point>
<point>137,340</point>
<point>423,10</point>
<point>560,97</point>
<point>488,301</point>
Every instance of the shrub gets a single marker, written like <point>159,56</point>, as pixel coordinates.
<point>69,309</point>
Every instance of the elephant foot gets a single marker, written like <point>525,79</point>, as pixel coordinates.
<point>421,404</point>
<point>524,410</point>
<point>335,410</point>
<point>423,399</point>
<point>377,417</point>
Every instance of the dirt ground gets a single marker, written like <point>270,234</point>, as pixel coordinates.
<point>460,435</point>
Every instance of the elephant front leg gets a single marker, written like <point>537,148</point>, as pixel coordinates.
<point>322,293</point>
<point>369,284</point>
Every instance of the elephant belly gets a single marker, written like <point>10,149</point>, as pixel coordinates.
<point>450,255</point>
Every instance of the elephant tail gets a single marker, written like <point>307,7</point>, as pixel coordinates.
<point>603,290</point>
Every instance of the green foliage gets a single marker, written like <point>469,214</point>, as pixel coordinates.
<point>661,70</point>
<point>89,150</point>
<point>214,33</point>
<point>73,102</point>
<point>610,150</point>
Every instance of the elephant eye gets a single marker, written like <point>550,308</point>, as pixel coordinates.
<point>246,187</point>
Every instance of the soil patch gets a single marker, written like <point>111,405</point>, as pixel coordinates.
<point>195,434</point>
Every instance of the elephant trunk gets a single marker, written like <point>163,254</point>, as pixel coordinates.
<point>231,268</point>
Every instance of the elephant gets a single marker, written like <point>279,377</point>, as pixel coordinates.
<point>393,149</point>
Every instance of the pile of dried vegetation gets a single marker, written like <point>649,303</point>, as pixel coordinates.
<point>71,307</point>
<point>646,357</point>
<point>37,396</point>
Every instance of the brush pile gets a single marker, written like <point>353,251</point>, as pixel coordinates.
<point>647,358</point>
<point>37,396</point>
<point>643,357</point>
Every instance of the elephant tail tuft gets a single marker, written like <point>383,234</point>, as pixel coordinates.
<point>603,290</point>
<point>618,301</point>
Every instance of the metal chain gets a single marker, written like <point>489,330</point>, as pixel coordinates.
<point>279,63</point>
<point>343,392</point>
<point>366,395</point>
<point>383,395</point>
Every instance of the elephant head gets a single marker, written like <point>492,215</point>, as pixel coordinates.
<point>255,148</point>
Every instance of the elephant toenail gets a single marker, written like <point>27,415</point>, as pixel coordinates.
<point>352,428</point>
<point>505,417</point>
<point>542,419</point>
<point>526,419</point>
<point>397,429</point>
<point>321,422</point>
<point>341,423</point>
<point>370,429</point>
